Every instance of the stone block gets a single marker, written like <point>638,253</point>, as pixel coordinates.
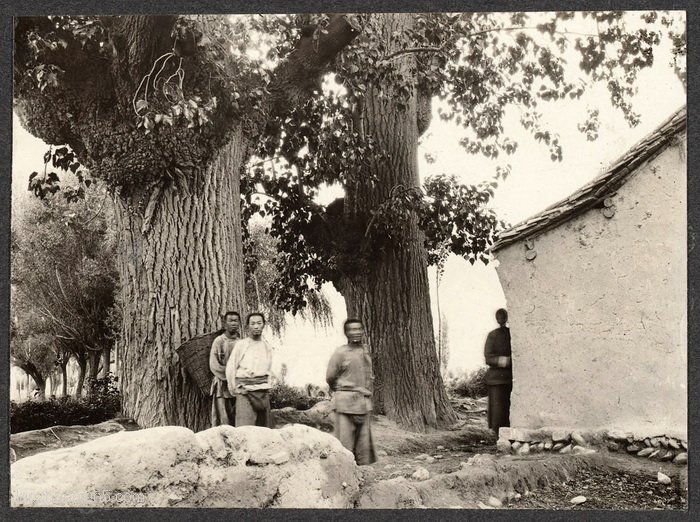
<point>581,450</point>
<point>681,458</point>
<point>617,435</point>
<point>667,456</point>
<point>548,445</point>
<point>566,449</point>
<point>519,434</point>
<point>645,452</point>
<point>613,446</point>
<point>516,445</point>
<point>578,438</point>
<point>633,448</point>
<point>503,445</point>
<point>524,449</point>
<point>559,435</point>
<point>558,446</point>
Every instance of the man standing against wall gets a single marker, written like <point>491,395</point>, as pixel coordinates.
<point>248,375</point>
<point>223,407</point>
<point>499,377</point>
<point>349,376</point>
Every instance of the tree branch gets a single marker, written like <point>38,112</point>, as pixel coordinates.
<point>299,75</point>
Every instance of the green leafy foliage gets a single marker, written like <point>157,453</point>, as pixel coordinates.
<point>285,396</point>
<point>63,159</point>
<point>480,65</point>
<point>63,275</point>
<point>263,277</point>
<point>472,385</point>
<point>96,407</point>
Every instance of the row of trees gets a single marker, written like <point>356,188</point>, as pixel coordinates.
<point>63,288</point>
<point>173,113</point>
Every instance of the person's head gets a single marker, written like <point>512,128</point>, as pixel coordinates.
<point>501,316</point>
<point>232,321</point>
<point>255,323</point>
<point>354,330</point>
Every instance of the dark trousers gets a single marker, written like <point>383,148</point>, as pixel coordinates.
<point>499,406</point>
<point>247,415</point>
<point>355,434</point>
<point>223,411</point>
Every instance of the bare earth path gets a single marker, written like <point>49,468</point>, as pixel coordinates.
<point>459,468</point>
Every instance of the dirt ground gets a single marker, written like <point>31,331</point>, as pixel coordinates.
<point>457,475</point>
<point>609,482</point>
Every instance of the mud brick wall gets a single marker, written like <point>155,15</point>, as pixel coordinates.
<point>598,316</point>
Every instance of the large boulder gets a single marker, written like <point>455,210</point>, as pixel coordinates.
<point>250,467</point>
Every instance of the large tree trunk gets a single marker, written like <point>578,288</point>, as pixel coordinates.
<point>106,356</point>
<point>94,369</point>
<point>54,382</point>
<point>180,255</point>
<point>192,248</point>
<point>393,297</point>
<point>40,382</point>
<point>64,379</point>
<point>82,369</point>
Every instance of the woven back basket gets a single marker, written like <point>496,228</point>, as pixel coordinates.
<point>194,356</point>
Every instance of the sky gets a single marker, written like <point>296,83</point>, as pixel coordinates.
<point>469,295</point>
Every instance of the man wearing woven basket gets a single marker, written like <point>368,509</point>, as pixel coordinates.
<point>248,375</point>
<point>223,407</point>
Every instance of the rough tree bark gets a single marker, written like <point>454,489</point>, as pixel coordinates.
<point>82,370</point>
<point>193,249</point>
<point>177,190</point>
<point>39,381</point>
<point>393,297</point>
<point>106,356</point>
<point>64,379</point>
<point>93,369</point>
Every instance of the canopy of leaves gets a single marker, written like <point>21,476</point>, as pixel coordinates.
<point>32,346</point>
<point>262,274</point>
<point>144,100</point>
<point>480,65</point>
<point>63,273</point>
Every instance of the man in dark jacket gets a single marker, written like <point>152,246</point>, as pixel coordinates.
<point>349,376</point>
<point>499,376</point>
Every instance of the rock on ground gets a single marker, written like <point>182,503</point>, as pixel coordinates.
<point>250,467</point>
<point>663,478</point>
<point>319,416</point>
<point>29,443</point>
<point>681,458</point>
<point>421,474</point>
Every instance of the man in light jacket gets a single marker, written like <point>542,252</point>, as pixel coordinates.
<point>248,375</point>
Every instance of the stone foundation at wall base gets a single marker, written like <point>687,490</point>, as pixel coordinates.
<point>669,446</point>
